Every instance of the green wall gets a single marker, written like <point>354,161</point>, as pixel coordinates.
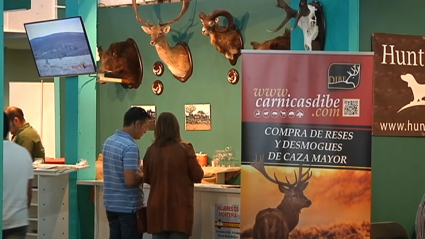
<point>398,167</point>
<point>208,83</point>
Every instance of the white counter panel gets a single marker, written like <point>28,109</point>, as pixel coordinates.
<point>205,198</point>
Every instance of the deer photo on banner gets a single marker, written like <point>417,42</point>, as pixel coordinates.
<point>306,145</point>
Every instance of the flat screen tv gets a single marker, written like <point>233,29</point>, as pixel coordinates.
<point>60,47</point>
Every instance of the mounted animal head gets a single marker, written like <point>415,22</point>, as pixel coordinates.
<point>226,39</point>
<point>310,19</point>
<point>294,192</point>
<point>278,43</point>
<point>123,58</point>
<point>158,32</point>
<point>178,58</point>
<point>210,22</point>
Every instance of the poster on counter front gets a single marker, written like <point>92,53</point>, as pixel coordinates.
<point>306,145</point>
<point>227,221</point>
<point>399,85</point>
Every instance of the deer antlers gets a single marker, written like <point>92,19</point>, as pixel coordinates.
<point>186,4</point>
<point>292,13</point>
<point>139,19</point>
<point>299,181</point>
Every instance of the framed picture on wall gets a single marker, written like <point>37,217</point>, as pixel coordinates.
<point>151,109</point>
<point>197,117</point>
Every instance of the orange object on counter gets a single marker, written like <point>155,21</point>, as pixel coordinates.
<point>202,159</point>
<point>54,160</point>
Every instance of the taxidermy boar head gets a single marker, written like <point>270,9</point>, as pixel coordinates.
<point>123,58</point>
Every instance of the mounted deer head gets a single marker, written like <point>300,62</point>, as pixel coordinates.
<point>227,40</point>
<point>278,43</point>
<point>271,223</point>
<point>123,58</point>
<point>178,59</point>
<point>310,18</point>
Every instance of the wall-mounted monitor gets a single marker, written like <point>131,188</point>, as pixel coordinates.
<point>60,47</point>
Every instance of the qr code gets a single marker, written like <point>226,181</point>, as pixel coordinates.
<point>351,108</point>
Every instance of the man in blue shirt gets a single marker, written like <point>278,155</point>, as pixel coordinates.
<point>123,195</point>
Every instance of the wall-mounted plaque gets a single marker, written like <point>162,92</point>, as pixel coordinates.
<point>157,87</point>
<point>233,76</point>
<point>158,68</point>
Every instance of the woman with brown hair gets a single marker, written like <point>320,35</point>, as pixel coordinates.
<point>171,169</point>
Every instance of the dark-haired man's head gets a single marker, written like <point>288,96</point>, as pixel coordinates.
<point>6,125</point>
<point>16,118</point>
<point>136,122</point>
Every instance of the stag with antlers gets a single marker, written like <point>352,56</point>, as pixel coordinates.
<point>310,18</point>
<point>277,223</point>
<point>178,59</point>
<point>226,39</point>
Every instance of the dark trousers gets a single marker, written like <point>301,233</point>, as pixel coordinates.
<point>123,225</point>
<point>15,233</point>
<point>170,235</point>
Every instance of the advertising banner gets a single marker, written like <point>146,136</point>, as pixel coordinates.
<point>398,85</point>
<point>306,145</point>
<point>227,221</point>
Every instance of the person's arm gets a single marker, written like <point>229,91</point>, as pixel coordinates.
<point>25,142</point>
<point>145,167</point>
<point>132,174</point>
<point>195,170</point>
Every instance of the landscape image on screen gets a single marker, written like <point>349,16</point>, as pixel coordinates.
<point>60,48</point>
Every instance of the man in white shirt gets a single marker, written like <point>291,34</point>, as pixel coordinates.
<point>17,186</point>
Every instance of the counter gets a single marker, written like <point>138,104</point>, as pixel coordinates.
<point>206,197</point>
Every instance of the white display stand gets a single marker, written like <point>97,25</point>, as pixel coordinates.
<point>48,213</point>
<point>205,198</point>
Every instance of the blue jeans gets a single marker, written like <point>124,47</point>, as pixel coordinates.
<point>15,233</point>
<point>123,225</point>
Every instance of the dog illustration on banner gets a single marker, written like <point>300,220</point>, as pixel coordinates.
<point>418,91</point>
<point>277,223</point>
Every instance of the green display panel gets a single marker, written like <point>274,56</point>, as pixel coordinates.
<point>16,5</point>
